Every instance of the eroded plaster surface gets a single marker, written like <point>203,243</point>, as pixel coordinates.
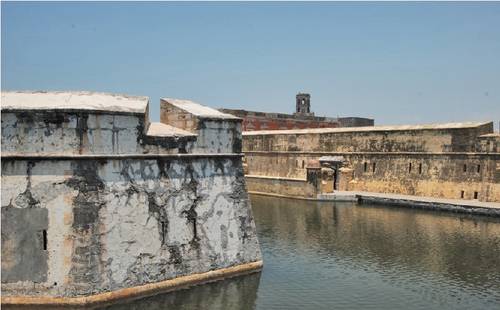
<point>95,202</point>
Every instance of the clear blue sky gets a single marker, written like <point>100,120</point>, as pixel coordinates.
<point>396,62</point>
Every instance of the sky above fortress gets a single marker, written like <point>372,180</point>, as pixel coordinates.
<point>400,63</point>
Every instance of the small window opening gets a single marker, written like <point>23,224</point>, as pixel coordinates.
<point>476,194</point>
<point>465,168</point>
<point>419,168</point>
<point>163,232</point>
<point>409,168</point>
<point>478,168</point>
<point>44,234</point>
<point>303,164</point>
<point>373,167</point>
<point>366,166</point>
<point>462,194</point>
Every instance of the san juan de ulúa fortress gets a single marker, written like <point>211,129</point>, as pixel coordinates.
<point>448,166</point>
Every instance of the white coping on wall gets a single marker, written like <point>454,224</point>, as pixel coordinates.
<point>164,130</point>
<point>488,135</point>
<point>198,109</point>
<point>413,198</point>
<point>73,100</point>
<point>367,129</point>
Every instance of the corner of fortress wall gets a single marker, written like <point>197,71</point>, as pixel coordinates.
<point>96,199</point>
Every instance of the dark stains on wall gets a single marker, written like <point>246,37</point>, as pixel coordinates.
<point>81,128</point>
<point>179,143</point>
<point>160,214</point>
<point>26,199</point>
<point>191,214</point>
<point>237,142</point>
<point>86,267</point>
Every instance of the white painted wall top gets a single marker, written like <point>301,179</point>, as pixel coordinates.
<point>164,130</point>
<point>73,100</point>
<point>198,109</point>
<point>367,129</point>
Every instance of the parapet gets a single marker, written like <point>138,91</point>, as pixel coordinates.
<point>449,137</point>
<point>87,123</point>
<point>216,131</point>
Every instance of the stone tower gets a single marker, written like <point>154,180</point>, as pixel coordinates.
<point>303,105</point>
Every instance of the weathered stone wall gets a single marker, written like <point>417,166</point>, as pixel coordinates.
<point>278,121</point>
<point>298,188</point>
<point>115,223</point>
<point>448,161</point>
<point>95,200</point>
<point>75,132</point>
<point>488,143</point>
<point>216,132</point>
<point>431,174</point>
<point>441,138</point>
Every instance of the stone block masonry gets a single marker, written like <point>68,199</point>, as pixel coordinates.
<point>97,200</point>
<point>453,161</point>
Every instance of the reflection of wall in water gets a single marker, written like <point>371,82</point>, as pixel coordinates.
<point>234,293</point>
<point>392,237</point>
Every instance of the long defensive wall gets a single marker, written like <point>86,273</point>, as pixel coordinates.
<point>454,161</point>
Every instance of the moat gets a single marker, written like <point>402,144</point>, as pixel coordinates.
<point>342,256</point>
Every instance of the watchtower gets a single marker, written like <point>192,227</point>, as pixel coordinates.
<point>303,105</point>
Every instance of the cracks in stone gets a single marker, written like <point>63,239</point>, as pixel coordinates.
<point>191,214</point>
<point>26,199</point>
<point>160,213</point>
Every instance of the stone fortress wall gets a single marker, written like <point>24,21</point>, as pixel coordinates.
<point>96,199</point>
<point>456,161</point>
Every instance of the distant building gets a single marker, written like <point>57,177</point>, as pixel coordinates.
<point>303,107</point>
<point>303,118</point>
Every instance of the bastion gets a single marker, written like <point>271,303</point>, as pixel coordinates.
<point>99,204</point>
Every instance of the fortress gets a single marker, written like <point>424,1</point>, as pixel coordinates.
<point>302,118</point>
<point>454,161</point>
<point>457,161</point>
<point>99,204</point>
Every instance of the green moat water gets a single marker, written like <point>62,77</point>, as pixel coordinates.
<point>343,256</point>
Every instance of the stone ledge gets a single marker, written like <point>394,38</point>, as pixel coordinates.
<point>280,196</point>
<point>132,293</point>
<point>114,156</point>
<point>254,176</point>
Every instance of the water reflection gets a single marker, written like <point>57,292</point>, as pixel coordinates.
<point>350,257</point>
<point>235,293</point>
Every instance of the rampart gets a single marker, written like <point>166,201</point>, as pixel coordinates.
<point>445,160</point>
<point>96,199</point>
<point>278,121</point>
